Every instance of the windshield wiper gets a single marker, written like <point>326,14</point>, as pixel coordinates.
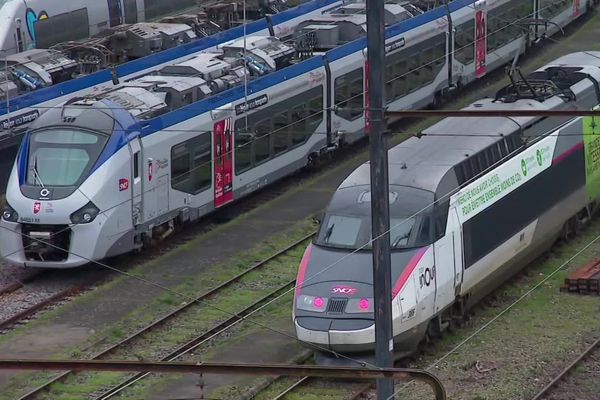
<point>36,173</point>
<point>399,238</point>
<point>328,233</point>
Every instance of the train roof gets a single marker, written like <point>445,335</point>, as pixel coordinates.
<point>422,162</point>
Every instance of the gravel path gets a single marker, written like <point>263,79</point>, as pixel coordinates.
<point>36,289</point>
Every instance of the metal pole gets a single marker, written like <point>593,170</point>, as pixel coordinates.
<point>380,201</point>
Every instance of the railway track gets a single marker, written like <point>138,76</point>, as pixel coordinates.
<point>324,387</point>
<point>555,382</point>
<point>185,313</point>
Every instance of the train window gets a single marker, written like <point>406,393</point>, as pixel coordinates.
<point>400,78</point>
<point>551,8</point>
<point>262,141</point>
<point>349,94</point>
<point>50,31</point>
<point>243,150</point>
<point>159,8</point>
<point>201,166</point>
<point>191,164</point>
<point>130,8</point>
<point>277,128</point>
<point>298,129</point>
<point>136,165</point>
<point>425,231</point>
<point>315,113</point>
<point>389,82</point>
<point>180,168</point>
<point>281,132</point>
<point>440,218</point>
<point>464,48</point>
<point>427,66</point>
<point>341,231</point>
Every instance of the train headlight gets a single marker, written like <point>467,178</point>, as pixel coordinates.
<point>9,214</point>
<point>364,305</point>
<point>312,303</point>
<point>85,214</point>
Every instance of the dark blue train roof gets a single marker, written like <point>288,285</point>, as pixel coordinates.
<point>61,89</point>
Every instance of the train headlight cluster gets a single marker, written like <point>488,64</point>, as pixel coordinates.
<point>364,305</point>
<point>9,214</point>
<point>85,214</point>
<point>312,303</point>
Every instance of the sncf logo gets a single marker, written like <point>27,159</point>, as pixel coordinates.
<point>344,290</point>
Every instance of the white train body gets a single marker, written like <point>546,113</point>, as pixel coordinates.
<point>18,112</point>
<point>188,139</point>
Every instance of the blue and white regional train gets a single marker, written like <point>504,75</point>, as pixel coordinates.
<point>18,112</point>
<point>106,173</point>
<point>471,202</point>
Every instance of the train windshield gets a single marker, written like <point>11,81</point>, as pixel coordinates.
<point>62,156</point>
<point>354,232</point>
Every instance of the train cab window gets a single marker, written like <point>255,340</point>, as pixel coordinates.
<point>349,95</point>
<point>62,156</point>
<point>425,230</point>
<point>136,165</point>
<point>341,231</point>
<point>191,164</point>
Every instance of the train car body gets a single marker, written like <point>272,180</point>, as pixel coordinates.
<point>18,112</point>
<point>471,202</point>
<point>194,138</point>
<point>40,23</point>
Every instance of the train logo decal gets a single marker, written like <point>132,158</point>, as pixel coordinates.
<point>123,184</point>
<point>31,17</point>
<point>506,178</point>
<point>344,290</point>
<point>37,207</point>
<point>427,277</point>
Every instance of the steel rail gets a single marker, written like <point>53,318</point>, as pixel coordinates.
<point>285,392</point>
<point>31,394</point>
<point>200,340</point>
<point>566,371</point>
<point>29,311</point>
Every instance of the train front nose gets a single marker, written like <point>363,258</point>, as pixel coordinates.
<point>342,321</point>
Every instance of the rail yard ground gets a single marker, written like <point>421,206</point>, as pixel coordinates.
<point>510,360</point>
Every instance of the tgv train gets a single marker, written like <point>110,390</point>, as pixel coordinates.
<point>471,202</point>
<point>41,23</point>
<point>106,173</point>
<point>18,112</point>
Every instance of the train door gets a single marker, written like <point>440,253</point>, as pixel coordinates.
<point>480,39</point>
<point>136,182</point>
<point>223,162</point>
<point>448,263</point>
<point>115,13</point>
